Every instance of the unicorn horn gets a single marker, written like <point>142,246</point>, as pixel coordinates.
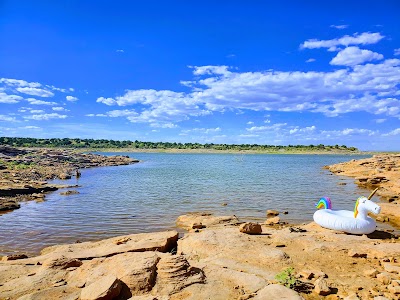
<point>373,193</point>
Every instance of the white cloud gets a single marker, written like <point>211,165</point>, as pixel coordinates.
<point>107,101</point>
<point>248,135</point>
<point>9,99</point>
<point>339,26</point>
<point>19,83</point>
<point>37,111</point>
<point>56,88</point>
<point>397,51</point>
<point>6,118</point>
<point>35,91</point>
<point>357,39</point>
<point>122,113</point>
<point>209,70</point>
<point>120,50</point>
<point>203,130</point>
<point>163,125</point>
<point>250,123</point>
<point>379,121</point>
<point>349,132</point>
<point>352,56</point>
<point>273,127</point>
<point>45,117</point>
<point>393,132</point>
<point>310,60</point>
<point>71,98</point>
<point>302,130</point>
<point>30,127</point>
<point>372,88</point>
<point>59,108</point>
<point>34,101</point>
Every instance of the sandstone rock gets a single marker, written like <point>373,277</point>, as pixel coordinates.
<point>352,296</point>
<point>384,277</point>
<point>14,257</point>
<point>332,297</point>
<point>137,271</point>
<point>250,228</point>
<point>9,205</point>
<point>381,298</point>
<point>394,289</point>
<point>272,212</point>
<point>174,273</point>
<point>307,274</point>
<point>321,287</point>
<point>64,176</point>
<point>106,288</point>
<point>391,268</point>
<point>156,241</point>
<point>277,292</point>
<point>271,221</point>
<point>198,226</point>
<point>208,220</point>
<point>67,193</point>
<point>354,253</point>
<point>62,263</point>
<point>371,273</point>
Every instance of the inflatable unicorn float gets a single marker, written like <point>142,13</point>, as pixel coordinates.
<point>357,222</point>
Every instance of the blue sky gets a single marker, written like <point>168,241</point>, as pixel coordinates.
<point>264,72</point>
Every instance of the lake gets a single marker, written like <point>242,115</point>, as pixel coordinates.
<point>150,195</point>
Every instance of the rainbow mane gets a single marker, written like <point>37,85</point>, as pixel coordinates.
<point>356,208</point>
<point>324,202</point>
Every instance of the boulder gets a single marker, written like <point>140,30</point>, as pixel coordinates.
<point>250,228</point>
<point>277,292</point>
<point>137,270</point>
<point>321,287</point>
<point>106,288</point>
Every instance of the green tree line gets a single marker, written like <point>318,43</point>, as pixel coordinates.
<point>110,144</point>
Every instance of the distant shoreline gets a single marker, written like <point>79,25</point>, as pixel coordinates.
<point>214,151</point>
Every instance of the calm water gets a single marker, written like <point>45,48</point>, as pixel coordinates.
<point>148,196</point>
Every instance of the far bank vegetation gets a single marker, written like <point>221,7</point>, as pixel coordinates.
<point>139,145</point>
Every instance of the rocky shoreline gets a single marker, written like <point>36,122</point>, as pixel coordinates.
<point>218,258</point>
<point>24,172</point>
<point>380,171</point>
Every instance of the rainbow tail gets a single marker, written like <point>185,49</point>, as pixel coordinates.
<point>324,202</point>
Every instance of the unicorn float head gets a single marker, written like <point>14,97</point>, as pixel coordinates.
<point>364,206</point>
<point>357,221</point>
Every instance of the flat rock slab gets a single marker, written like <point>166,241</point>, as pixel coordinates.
<point>207,220</point>
<point>156,241</point>
<point>277,292</point>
